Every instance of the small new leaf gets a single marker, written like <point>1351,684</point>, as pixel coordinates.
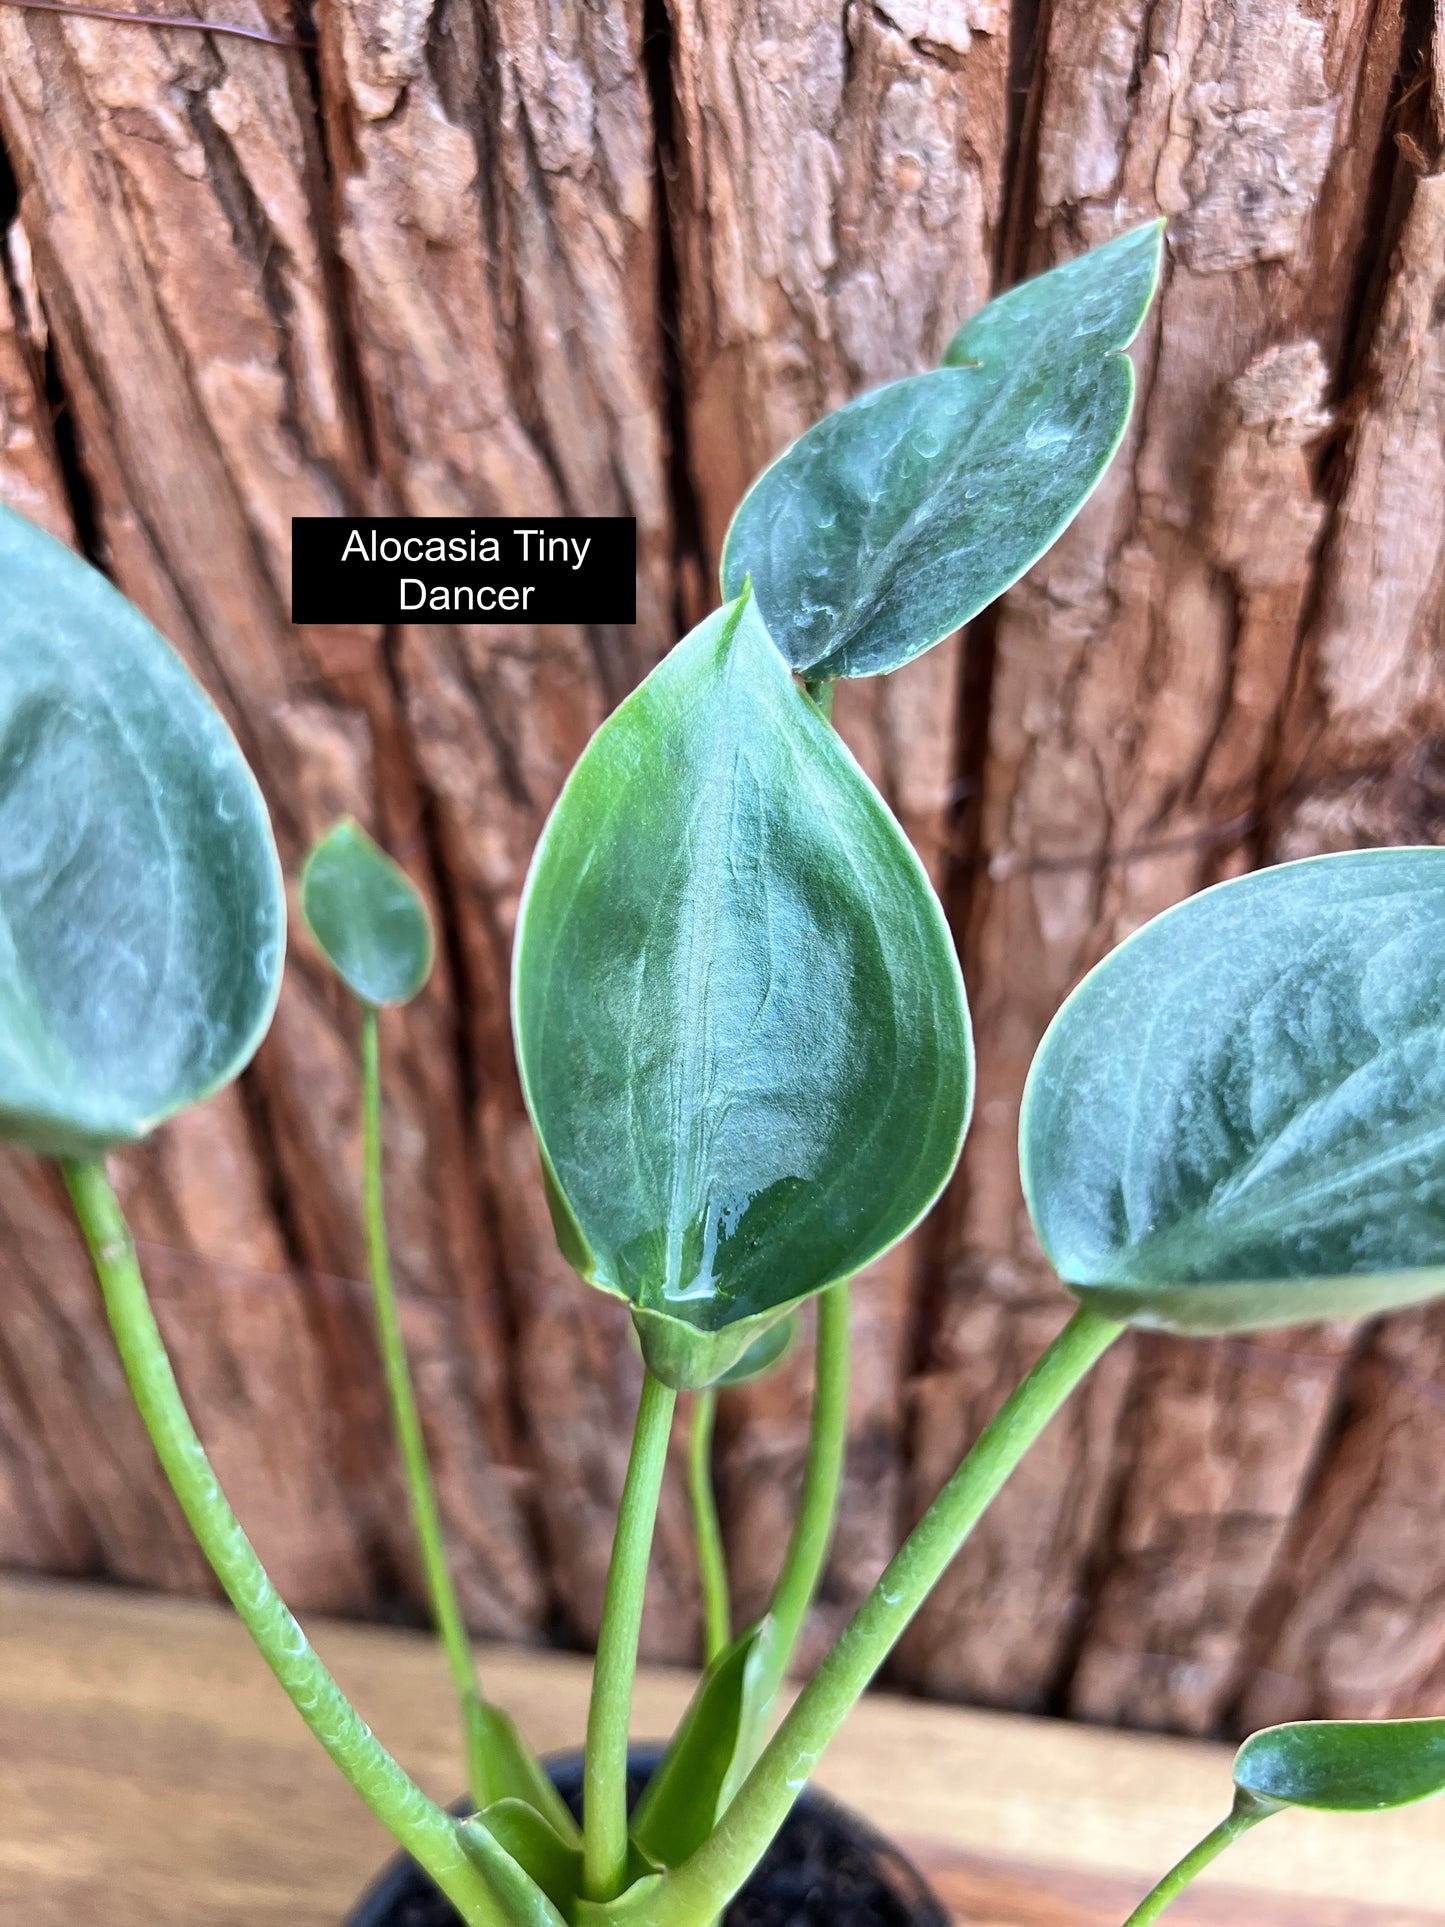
<point>554,1864</point>
<point>679,1808</point>
<point>1237,1120</point>
<point>523,1901</point>
<point>738,1013</point>
<point>142,914</point>
<point>764,1353</point>
<point>368,917</point>
<point>900,516</point>
<point>515,1773</point>
<point>1344,1766</point>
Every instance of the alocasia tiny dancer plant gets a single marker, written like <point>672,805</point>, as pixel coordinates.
<point>745,1047</point>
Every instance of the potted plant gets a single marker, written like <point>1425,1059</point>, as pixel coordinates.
<point>744,1043</point>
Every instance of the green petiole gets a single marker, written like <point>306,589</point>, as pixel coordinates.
<point>697,1891</point>
<point>711,1559</point>
<point>1247,1812</point>
<point>427,1832</point>
<point>604,1822</point>
<point>818,1506</point>
<point>420,1487</point>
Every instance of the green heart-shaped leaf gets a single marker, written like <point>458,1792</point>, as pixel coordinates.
<point>368,917</point>
<point>680,1805</point>
<point>1344,1766</point>
<point>1238,1119</point>
<point>894,520</point>
<point>142,915</point>
<point>738,1013</point>
<point>764,1353</point>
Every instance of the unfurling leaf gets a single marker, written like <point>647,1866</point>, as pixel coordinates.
<point>1238,1119</point>
<point>899,517</point>
<point>142,915</point>
<point>738,1013</point>
<point>554,1864</point>
<point>515,1773</point>
<point>1344,1766</point>
<point>682,1800</point>
<point>764,1353</point>
<point>523,1897</point>
<point>368,917</point>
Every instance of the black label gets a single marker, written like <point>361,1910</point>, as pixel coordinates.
<point>461,569</point>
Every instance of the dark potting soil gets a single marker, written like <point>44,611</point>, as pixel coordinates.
<point>825,1869</point>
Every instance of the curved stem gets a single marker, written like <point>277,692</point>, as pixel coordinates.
<point>422,1491</point>
<point>1244,1816</point>
<point>604,1821</point>
<point>822,695</point>
<point>430,1835</point>
<point>818,1507</point>
<point>698,1890</point>
<point>711,1561</point>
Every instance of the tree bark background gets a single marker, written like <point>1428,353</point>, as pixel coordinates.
<point>532,256</point>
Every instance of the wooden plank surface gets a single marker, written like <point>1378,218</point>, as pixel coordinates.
<point>151,1775</point>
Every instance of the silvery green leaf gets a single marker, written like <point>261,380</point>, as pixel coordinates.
<point>368,917</point>
<point>142,916</point>
<point>1238,1119</point>
<point>900,516</point>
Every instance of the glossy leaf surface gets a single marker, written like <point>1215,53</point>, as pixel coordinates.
<point>738,1013</point>
<point>1344,1766</point>
<point>680,1805</point>
<point>368,917</point>
<point>1238,1119</point>
<point>901,515</point>
<point>142,916</point>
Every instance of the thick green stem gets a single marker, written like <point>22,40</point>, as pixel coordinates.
<point>822,695</point>
<point>1246,1814</point>
<point>818,1508</point>
<point>711,1561</point>
<point>428,1833</point>
<point>425,1514</point>
<point>604,1822</point>
<point>700,1888</point>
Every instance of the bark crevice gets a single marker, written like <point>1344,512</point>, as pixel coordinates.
<point>692,589</point>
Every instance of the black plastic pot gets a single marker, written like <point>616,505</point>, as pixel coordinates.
<point>827,1868</point>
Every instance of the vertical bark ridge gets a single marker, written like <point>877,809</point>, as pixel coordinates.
<point>33,474</point>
